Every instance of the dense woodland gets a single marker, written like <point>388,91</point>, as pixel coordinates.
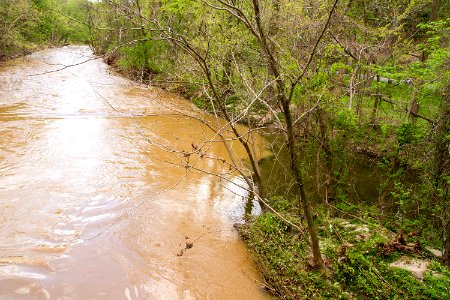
<point>27,25</point>
<point>352,96</point>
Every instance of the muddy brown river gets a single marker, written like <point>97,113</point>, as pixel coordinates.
<point>96,201</point>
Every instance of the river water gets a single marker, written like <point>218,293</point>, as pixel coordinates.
<point>95,200</point>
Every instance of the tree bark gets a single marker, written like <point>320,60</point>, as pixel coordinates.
<point>433,17</point>
<point>446,256</point>
<point>298,176</point>
<point>435,10</point>
<point>442,171</point>
<point>325,145</point>
<point>376,103</point>
<point>294,159</point>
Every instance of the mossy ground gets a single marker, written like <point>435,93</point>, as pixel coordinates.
<point>358,257</point>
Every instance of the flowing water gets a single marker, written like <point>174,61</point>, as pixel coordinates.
<point>95,202</point>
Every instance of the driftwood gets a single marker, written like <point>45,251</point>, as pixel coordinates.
<point>400,244</point>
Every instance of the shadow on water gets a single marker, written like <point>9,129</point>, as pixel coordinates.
<point>363,180</point>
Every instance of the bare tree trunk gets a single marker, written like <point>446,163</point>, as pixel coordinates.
<point>273,29</point>
<point>307,209</point>
<point>433,17</point>
<point>366,78</point>
<point>446,256</point>
<point>435,10</point>
<point>352,87</point>
<point>376,103</point>
<point>294,159</point>
<point>413,109</point>
<point>325,146</point>
<point>442,170</point>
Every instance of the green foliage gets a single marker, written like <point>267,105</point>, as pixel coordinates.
<point>345,207</point>
<point>281,203</point>
<point>339,67</point>
<point>405,134</point>
<point>27,25</point>
<point>375,279</point>
<point>177,6</point>
<point>347,119</point>
<point>439,282</point>
<point>359,272</point>
<point>378,79</point>
<point>318,80</point>
<point>143,55</point>
<point>437,32</point>
<point>282,258</point>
